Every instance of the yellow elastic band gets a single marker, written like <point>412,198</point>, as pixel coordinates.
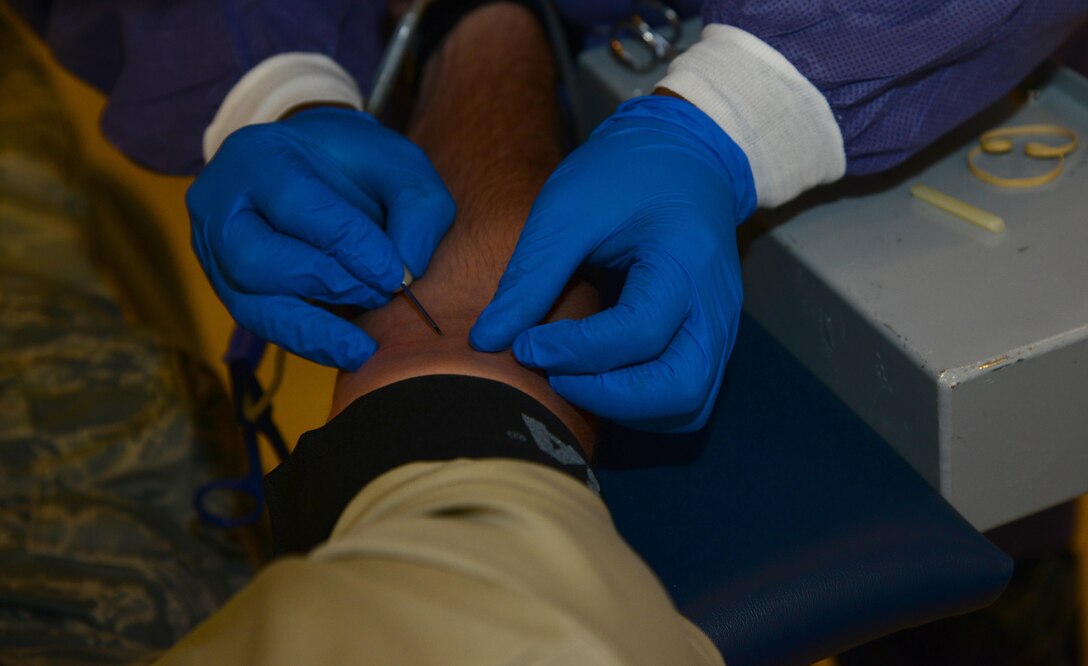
<point>960,209</point>
<point>997,142</point>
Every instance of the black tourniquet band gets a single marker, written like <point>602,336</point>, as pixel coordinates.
<point>435,417</point>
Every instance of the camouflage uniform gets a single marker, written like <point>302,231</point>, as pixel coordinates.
<point>106,428</point>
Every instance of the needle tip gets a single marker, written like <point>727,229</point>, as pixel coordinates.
<point>412,298</point>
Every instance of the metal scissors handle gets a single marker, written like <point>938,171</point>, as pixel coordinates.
<point>661,48</point>
<point>217,502</point>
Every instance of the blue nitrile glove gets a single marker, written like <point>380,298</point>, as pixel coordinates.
<point>327,205</point>
<point>657,191</point>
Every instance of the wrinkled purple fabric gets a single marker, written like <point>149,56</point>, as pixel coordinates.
<point>900,74</point>
<point>896,74</point>
<point>167,64</point>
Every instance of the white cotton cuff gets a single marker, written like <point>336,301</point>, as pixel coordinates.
<point>274,87</point>
<point>777,117</point>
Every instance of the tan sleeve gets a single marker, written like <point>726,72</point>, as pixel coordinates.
<point>464,562</point>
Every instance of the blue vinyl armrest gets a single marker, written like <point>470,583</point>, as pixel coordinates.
<point>787,529</point>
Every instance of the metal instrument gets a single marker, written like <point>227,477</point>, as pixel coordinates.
<point>393,57</point>
<point>404,286</point>
<point>658,49</point>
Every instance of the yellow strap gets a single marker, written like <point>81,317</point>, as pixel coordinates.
<point>998,141</point>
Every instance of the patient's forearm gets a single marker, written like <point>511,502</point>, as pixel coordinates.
<point>489,121</point>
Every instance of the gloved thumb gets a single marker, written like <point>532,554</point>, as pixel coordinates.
<point>417,220</point>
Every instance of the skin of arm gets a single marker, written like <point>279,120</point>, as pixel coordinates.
<point>493,156</point>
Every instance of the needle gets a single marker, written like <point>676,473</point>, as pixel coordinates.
<point>415,301</point>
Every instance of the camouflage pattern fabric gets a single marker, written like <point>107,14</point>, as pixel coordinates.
<point>106,429</point>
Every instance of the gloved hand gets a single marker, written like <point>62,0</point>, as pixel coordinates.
<point>327,205</point>
<point>656,191</point>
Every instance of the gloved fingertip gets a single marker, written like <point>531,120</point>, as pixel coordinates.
<point>442,209</point>
<point>392,277</point>
<point>348,351</point>
<point>416,262</point>
<point>353,359</point>
<point>418,240</point>
<point>485,336</point>
<point>481,341</point>
<point>572,390</point>
<point>558,385</point>
<point>524,351</point>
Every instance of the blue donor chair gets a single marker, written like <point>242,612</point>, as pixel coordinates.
<point>787,529</point>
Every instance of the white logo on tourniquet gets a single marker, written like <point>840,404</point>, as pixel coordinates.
<point>558,449</point>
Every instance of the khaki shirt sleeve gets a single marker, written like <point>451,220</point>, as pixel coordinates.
<point>463,562</point>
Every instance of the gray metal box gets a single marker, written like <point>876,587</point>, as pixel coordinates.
<point>967,351</point>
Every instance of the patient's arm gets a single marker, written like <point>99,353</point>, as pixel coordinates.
<point>449,560</point>
<point>488,118</point>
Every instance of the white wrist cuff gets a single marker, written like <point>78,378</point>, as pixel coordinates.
<point>777,117</point>
<point>274,87</point>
